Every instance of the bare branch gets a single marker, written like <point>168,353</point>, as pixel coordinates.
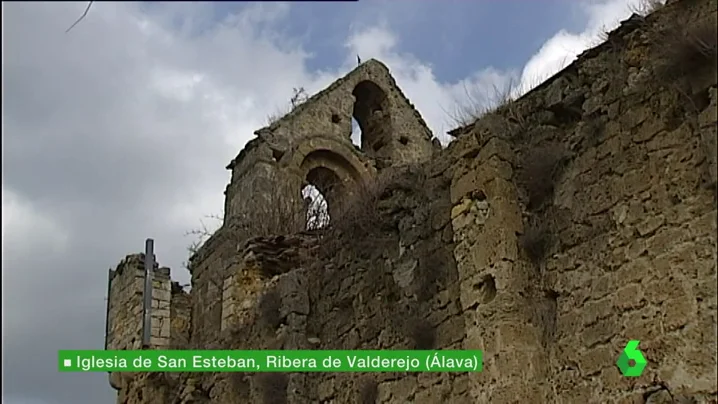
<point>89,4</point>
<point>299,97</point>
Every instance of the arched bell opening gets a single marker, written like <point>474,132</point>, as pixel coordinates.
<point>371,112</point>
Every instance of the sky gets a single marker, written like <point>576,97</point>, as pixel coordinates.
<point>121,129</point>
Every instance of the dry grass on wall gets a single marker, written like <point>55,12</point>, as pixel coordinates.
<point>681,51</point>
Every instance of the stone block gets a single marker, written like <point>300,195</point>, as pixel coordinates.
<point>435,395</point>
<point>164,305</point>
<point>462,222</point>
<point>634,182</point>
<point>592,105</point>
<point>600,332</point>
<point>292,289</point>
<point>465,185</point>
<point>461,208</point>
<point>665,238</point>
<point>554,94</point>
<point>467,147</point>
<point>497,147</point>
<point>629,297</point>
<point>428,379</point>
<point>596,310</point>
<point>704,225</point>
<point>516,364</point>
<point>499,188</point>
<point>471,293</point>
<point>634,250</point>
<point>635,116</point>
<point>593,360</point>
<point>159,342</point>
<point>648,130</point>
<point>137,285</point>
<point>439,315</point>
<point>518,335</point>
<point>665,289</point>
<point>404,272</point>
<point>504,214</point>
<point>160,313</point>
<point>325,390</point>
<point>600,197</point>
<point>498,244</point>
<point>450,331</point>
<point>650,225</point>
<point>401,390</point>
<point>678,313</point>
<point>708,116</point>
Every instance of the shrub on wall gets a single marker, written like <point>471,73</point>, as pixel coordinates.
<point>684,50</point>
<point>539,171</point>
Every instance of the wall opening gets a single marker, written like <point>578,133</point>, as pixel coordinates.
<point>316,208</point>
<point>356,133</point>
<point>371,111</point>
<point>320,194</point>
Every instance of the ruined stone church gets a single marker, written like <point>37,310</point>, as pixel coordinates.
<point>547,234</point>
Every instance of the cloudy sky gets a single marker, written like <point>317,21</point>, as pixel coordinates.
<point>120,130</point>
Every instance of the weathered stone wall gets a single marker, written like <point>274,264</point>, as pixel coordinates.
<point>180,317</point>
<point>169,313</point>
<point>310,145</point>
<point>264,299</point>
<point>395,289</point>
<point>585,217</point>
<point>317,133</point>
<point>370,95</point>
<point>125,305</point>
<point>208,272</point>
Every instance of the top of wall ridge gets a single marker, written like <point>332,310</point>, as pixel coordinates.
<point>626,26</point>
<point>367,66</point>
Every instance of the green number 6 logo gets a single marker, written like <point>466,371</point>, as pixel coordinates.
<point>631,363</point>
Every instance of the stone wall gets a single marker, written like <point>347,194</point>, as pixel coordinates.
<point>392,289</point>
<point>180,317</point>
<point>208,271</point>
<point>585,217</point>
<point>124,321</point>
<point>310,145</point>
<point>317,133</point>
<point>395,288</point>
<point>169,313</point>
<point>126,305</point>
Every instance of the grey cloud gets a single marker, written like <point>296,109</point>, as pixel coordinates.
<point>96,147</point>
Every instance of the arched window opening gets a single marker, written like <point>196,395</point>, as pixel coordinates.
<point>316,207</point>
<point>356,133</point>
<point>371,111</point>
<point>321,193</point>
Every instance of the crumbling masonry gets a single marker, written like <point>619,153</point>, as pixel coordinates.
<point>547,234</point>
